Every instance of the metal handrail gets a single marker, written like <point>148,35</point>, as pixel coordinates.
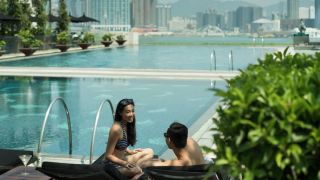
<point>45,122</point>
<point>95,125</point>
<point>231,60</point>
<point>213,57</point>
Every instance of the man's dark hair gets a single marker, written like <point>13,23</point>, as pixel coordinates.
<point>178,134</point>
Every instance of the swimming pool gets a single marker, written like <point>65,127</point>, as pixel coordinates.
<point>24,101</point>
<point>150,57</point>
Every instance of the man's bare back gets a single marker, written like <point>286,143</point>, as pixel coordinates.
<point>187,156</point>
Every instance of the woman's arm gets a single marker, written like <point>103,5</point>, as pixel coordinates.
<point>130,152</point>
<point>114,136</point>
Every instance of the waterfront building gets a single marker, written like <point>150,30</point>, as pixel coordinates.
<point>164,15</point>
<point>246,15</point>
<point>231,20</point>
<point>293,9</point>
<point>116,16</point>
<point>179,24</point>
<point>306,12</point>
<point>209,18</point>
<point>311,12</point>
<point>317,14</point>
<point>144,13</point>
<point>265,25</point>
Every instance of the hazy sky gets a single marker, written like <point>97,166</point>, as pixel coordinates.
<point>257,2</point>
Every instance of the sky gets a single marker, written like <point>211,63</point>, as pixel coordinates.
<point>257,2</point>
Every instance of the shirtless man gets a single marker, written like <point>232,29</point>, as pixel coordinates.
<point>187,150</point>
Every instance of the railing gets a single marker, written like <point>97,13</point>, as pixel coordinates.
<point>213,58</point>
<point>231,60</point>
<point>95,125</point>
<point>45,122</point>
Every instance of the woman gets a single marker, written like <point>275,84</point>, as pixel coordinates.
<point>121,135</point>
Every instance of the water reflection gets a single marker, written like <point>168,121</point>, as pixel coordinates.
<point>24,102</point>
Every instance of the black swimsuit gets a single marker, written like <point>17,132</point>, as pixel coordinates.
<point>121,145</point>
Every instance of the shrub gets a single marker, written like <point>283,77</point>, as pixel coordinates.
<point>63,38</point>
<point>120,38</point>
<point>28,40</point>
<point>2,44</point>
<point>269,128</point>
<point>87,38</point>
<point>107,37</point>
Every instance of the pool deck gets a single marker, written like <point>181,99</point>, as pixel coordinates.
<point>200,130</point>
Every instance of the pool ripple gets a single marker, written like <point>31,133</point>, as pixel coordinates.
<point>156,141</point>
<point>164,94</point>
<point>28,114</point>
<point>195,99</point>
<point>147,122</point>
<point>27,106</point>
<point>160,110</point>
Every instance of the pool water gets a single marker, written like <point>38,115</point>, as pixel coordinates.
<point>150,57</point>
<point>24,101</point>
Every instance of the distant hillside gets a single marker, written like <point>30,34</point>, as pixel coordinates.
<point>282,6</point>
<point>188,8</point>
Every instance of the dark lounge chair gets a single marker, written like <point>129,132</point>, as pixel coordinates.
<point>96,171</point>
<point>9,159</point>
<point>196,172</point>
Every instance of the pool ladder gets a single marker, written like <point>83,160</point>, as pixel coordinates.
<point>59,99</point>
<point>96,123</point>
<point>213,61</point>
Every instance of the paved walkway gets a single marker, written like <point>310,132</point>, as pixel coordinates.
<point>9,57</point>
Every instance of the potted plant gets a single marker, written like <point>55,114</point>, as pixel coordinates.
<point>2,45</point>
<point>62,41</point>
<point>107,39</point>
<point>29,43</point>
<point>120,40</point>
<point>86,40</point>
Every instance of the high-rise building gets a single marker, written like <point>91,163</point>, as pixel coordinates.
<point>97,9</point>
<point>317,14</point>
<point>144,13</point>
<point>117,15</point>
<point>311,12</point>
<point>163,15</point>
<point>209,18</point>
<point>246,15</point>
<point>293,9</point>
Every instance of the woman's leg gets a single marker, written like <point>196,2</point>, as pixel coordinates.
<point>140,157</point>
<point>130,172</point>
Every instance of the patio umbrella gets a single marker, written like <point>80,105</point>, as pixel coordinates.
<point>74,19</point>
<point>85,18</point>
<point>7,18</point>
<point>51,18</point>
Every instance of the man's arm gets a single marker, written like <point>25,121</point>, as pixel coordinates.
<point>158,162</point>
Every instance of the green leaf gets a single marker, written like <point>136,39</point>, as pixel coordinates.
<point>279,160</point>
<point>255,134</point>
<point>221,162</point>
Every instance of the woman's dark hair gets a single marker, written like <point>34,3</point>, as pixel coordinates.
<point>131,127</point>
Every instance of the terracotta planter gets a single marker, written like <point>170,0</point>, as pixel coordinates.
<point>84,45</point>
<point>62,47</point>
<point>106,43</point>
<point>28,51</point>
<point>120,42</point>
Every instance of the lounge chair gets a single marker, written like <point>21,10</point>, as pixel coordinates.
<point>195,172</point>
<point>96,171</point>
<point>9,159</point>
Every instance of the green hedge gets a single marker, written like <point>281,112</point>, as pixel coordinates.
<point>269,124</point>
